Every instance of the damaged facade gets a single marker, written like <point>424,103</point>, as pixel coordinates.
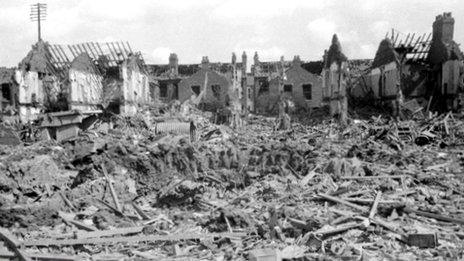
<point>8,90</point>
<point>37,83</point>
<point>135,87</point>
<point>287,79</point>
<point>217,87</point>
<point>334,80</point>
<point>46,80</point>
<point>165,79</point>
<point>86,84</point>
<point>429,71</point>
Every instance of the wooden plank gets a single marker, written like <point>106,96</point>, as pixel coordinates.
<point>67,202</point>
<point>64,53</point>
<point>339,229</point>
<point>78,47</point>
<point>343,202</point>
<point>55,56</point>
<point>150,238</point>
<point>412,39</point>
<point>112,191</point>
<point>371,201</point>
<point>97,45</point>
<point>119,213</point>
<point>72,52</point>
<point>49,257</point>
<point>434,216</point>
<point>52,257</point>
<point>63,59</point>
<point>122,51</point>
<point>95,49</point>
<point>127,51</point>
<point>115,49</point>
<point>112,232</point>
<point>374,206</point>
<point>13,244</point>
<point>424,46</point>
<point>95,57</point>
<point>140,211</point>
<point>115,59</point>
<point>78,224</point>
<point>128,46</point>
<point>375,177</point>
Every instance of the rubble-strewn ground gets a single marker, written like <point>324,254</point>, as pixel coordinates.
<point>308,192</point>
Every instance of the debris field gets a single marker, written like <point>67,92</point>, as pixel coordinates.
<point>375,190</point>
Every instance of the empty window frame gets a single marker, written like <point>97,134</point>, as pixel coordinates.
<point>196,89</point>
<point>163,88</point>
<point>308,91</point>
<point>288,88</point>
<point>263,85</point>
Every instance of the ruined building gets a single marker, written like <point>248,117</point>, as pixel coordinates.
<point>169,84</point>
<point>334,76</point>
<point>217,87</point>
<point>225,82</point>
<point>446,64</point>
<point>80,77</point>
<point>7,90</point>
<point>37,82</point>
<point>86,84</point>
<point>273,80</point>
<point>426,70</point>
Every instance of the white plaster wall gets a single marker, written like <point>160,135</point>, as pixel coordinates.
<point>29,84</point>
<point>135,89</point>
<point>86,90</point>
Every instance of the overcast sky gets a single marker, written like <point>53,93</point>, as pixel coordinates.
<point>216,28</point>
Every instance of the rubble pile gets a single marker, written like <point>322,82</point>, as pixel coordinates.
<point>374,190</point>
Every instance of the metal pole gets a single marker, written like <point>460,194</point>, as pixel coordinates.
<point>38,12</point>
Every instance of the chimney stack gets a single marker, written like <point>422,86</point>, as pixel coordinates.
<point>296,60</point>
<point>443,28</point>
<point>205,62</point>
<point>244,64</point>
<point>234,59</point>
<point>173,64</point>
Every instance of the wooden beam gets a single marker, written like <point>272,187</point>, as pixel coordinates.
<point>95,49</point>
<point>344,202</point>
<point>78,224</point>
<point>127,51</point>
<point>113,192</point>
<point>128,46</point>
<point>150,238</point>
<point>91,51</point>
<point>99,48</point>
<point>116,51</point>
<point>374,206</point>
<point>435,216</point>
<point>375,177</point>
<point>79,48</point>
<point>72,51</point>
<point>13,243</point>
<point>112,232</point>
<point>122,51</point>
<point>140,211</point>
<point>115,59</point>
<point>56,57</point>
<point>64,53</point>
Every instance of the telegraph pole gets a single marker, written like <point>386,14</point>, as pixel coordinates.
<point>38,14</point>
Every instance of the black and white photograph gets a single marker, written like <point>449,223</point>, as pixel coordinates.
<point>261,130</point>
